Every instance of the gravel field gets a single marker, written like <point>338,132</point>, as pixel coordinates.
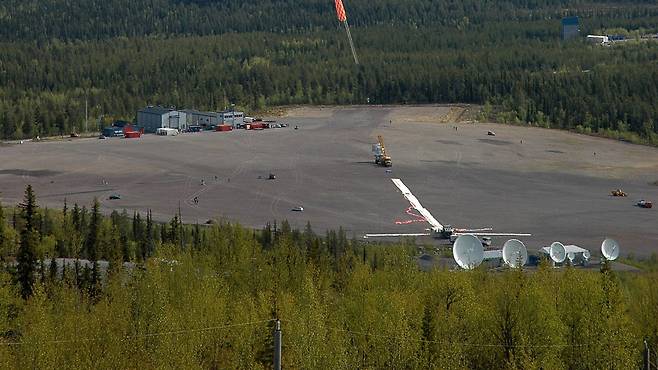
<point>553,184</point>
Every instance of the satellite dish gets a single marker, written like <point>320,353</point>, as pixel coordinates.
<point>558,253</point>
<point>515,253</point>
<point>468,251</point>
<point>571,256</point>
<point>587,255</point>
<point>610,249</point>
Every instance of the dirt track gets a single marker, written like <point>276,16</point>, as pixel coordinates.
<point>546,182</point>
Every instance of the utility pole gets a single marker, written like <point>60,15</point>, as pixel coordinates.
<point>277,345</point>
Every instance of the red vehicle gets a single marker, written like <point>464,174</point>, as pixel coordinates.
<point>256,126</point>
<point>224,128</point>
<point>130,133</point>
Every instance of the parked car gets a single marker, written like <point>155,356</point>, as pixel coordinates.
<point>644,204</point>
<point>115,197</point>
<point>298,209</point>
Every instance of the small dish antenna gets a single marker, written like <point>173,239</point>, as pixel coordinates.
<point>468,251</point>
<point>515,253</point>
<point>557,252</point>
<point>610,249</point>
<point>571,256</point>
<point>587,255</point>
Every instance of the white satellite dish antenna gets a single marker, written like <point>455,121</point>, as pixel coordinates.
<point>587,255</point>
<point>515,253</point>
<point>610,249</point>
<point>468,251</point>
<point>557,252</point>
<point>571,256</point>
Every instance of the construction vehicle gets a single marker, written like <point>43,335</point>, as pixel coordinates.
<point>379,150</point>
<point>618,193</point>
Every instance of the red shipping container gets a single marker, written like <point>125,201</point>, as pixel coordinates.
<point>224,128</point>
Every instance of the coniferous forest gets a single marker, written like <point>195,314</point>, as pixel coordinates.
<point>505,55</point>
<point>170,295</point>
<point>191,296</point>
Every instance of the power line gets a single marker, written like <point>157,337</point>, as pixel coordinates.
<point>147,335</point>
<point>456,343</point>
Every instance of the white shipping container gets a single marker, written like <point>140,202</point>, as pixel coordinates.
<point>164,131</point>
<point>597,39</point>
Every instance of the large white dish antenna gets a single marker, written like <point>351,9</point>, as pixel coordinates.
<point>610,249</point>
<point>557,252</point>
<point>468,251</point>
<point>515,254</point>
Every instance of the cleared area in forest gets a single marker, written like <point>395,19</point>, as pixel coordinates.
<point>551,183</point>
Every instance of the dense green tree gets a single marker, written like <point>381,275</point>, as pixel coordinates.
<point>26,258</point>
<point>92,241</point>
<point>210,306</point>
<point>506,55</point>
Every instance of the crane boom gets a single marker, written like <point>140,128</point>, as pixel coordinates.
<point>381,156</point>
<point>380,139</point>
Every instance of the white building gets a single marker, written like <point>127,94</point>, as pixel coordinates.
<point>232,118</point>
<point>598,39</point>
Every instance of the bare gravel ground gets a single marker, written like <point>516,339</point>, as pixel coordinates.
<point>546,182</point>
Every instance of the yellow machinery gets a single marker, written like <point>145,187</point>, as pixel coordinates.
<point>381,157</point>
<point>619,193</point>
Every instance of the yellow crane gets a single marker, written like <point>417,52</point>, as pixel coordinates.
<point>381,157</point>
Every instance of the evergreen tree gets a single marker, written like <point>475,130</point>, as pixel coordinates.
<point>75,218</point>
<point>125,248</point>
<point>28,242</point>
<point>65,210</point>
<point>42,271</point>
<point>52,270</point>
<point>175,231</point>
<point>196,240</point>
<point>83,220</point>
<point>164,234</point>
<point>135,227</point>
<point>148,240</point>
<point>266,236</point>
<point>91,244</point>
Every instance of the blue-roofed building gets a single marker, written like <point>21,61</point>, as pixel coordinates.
<point>570,28</point>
